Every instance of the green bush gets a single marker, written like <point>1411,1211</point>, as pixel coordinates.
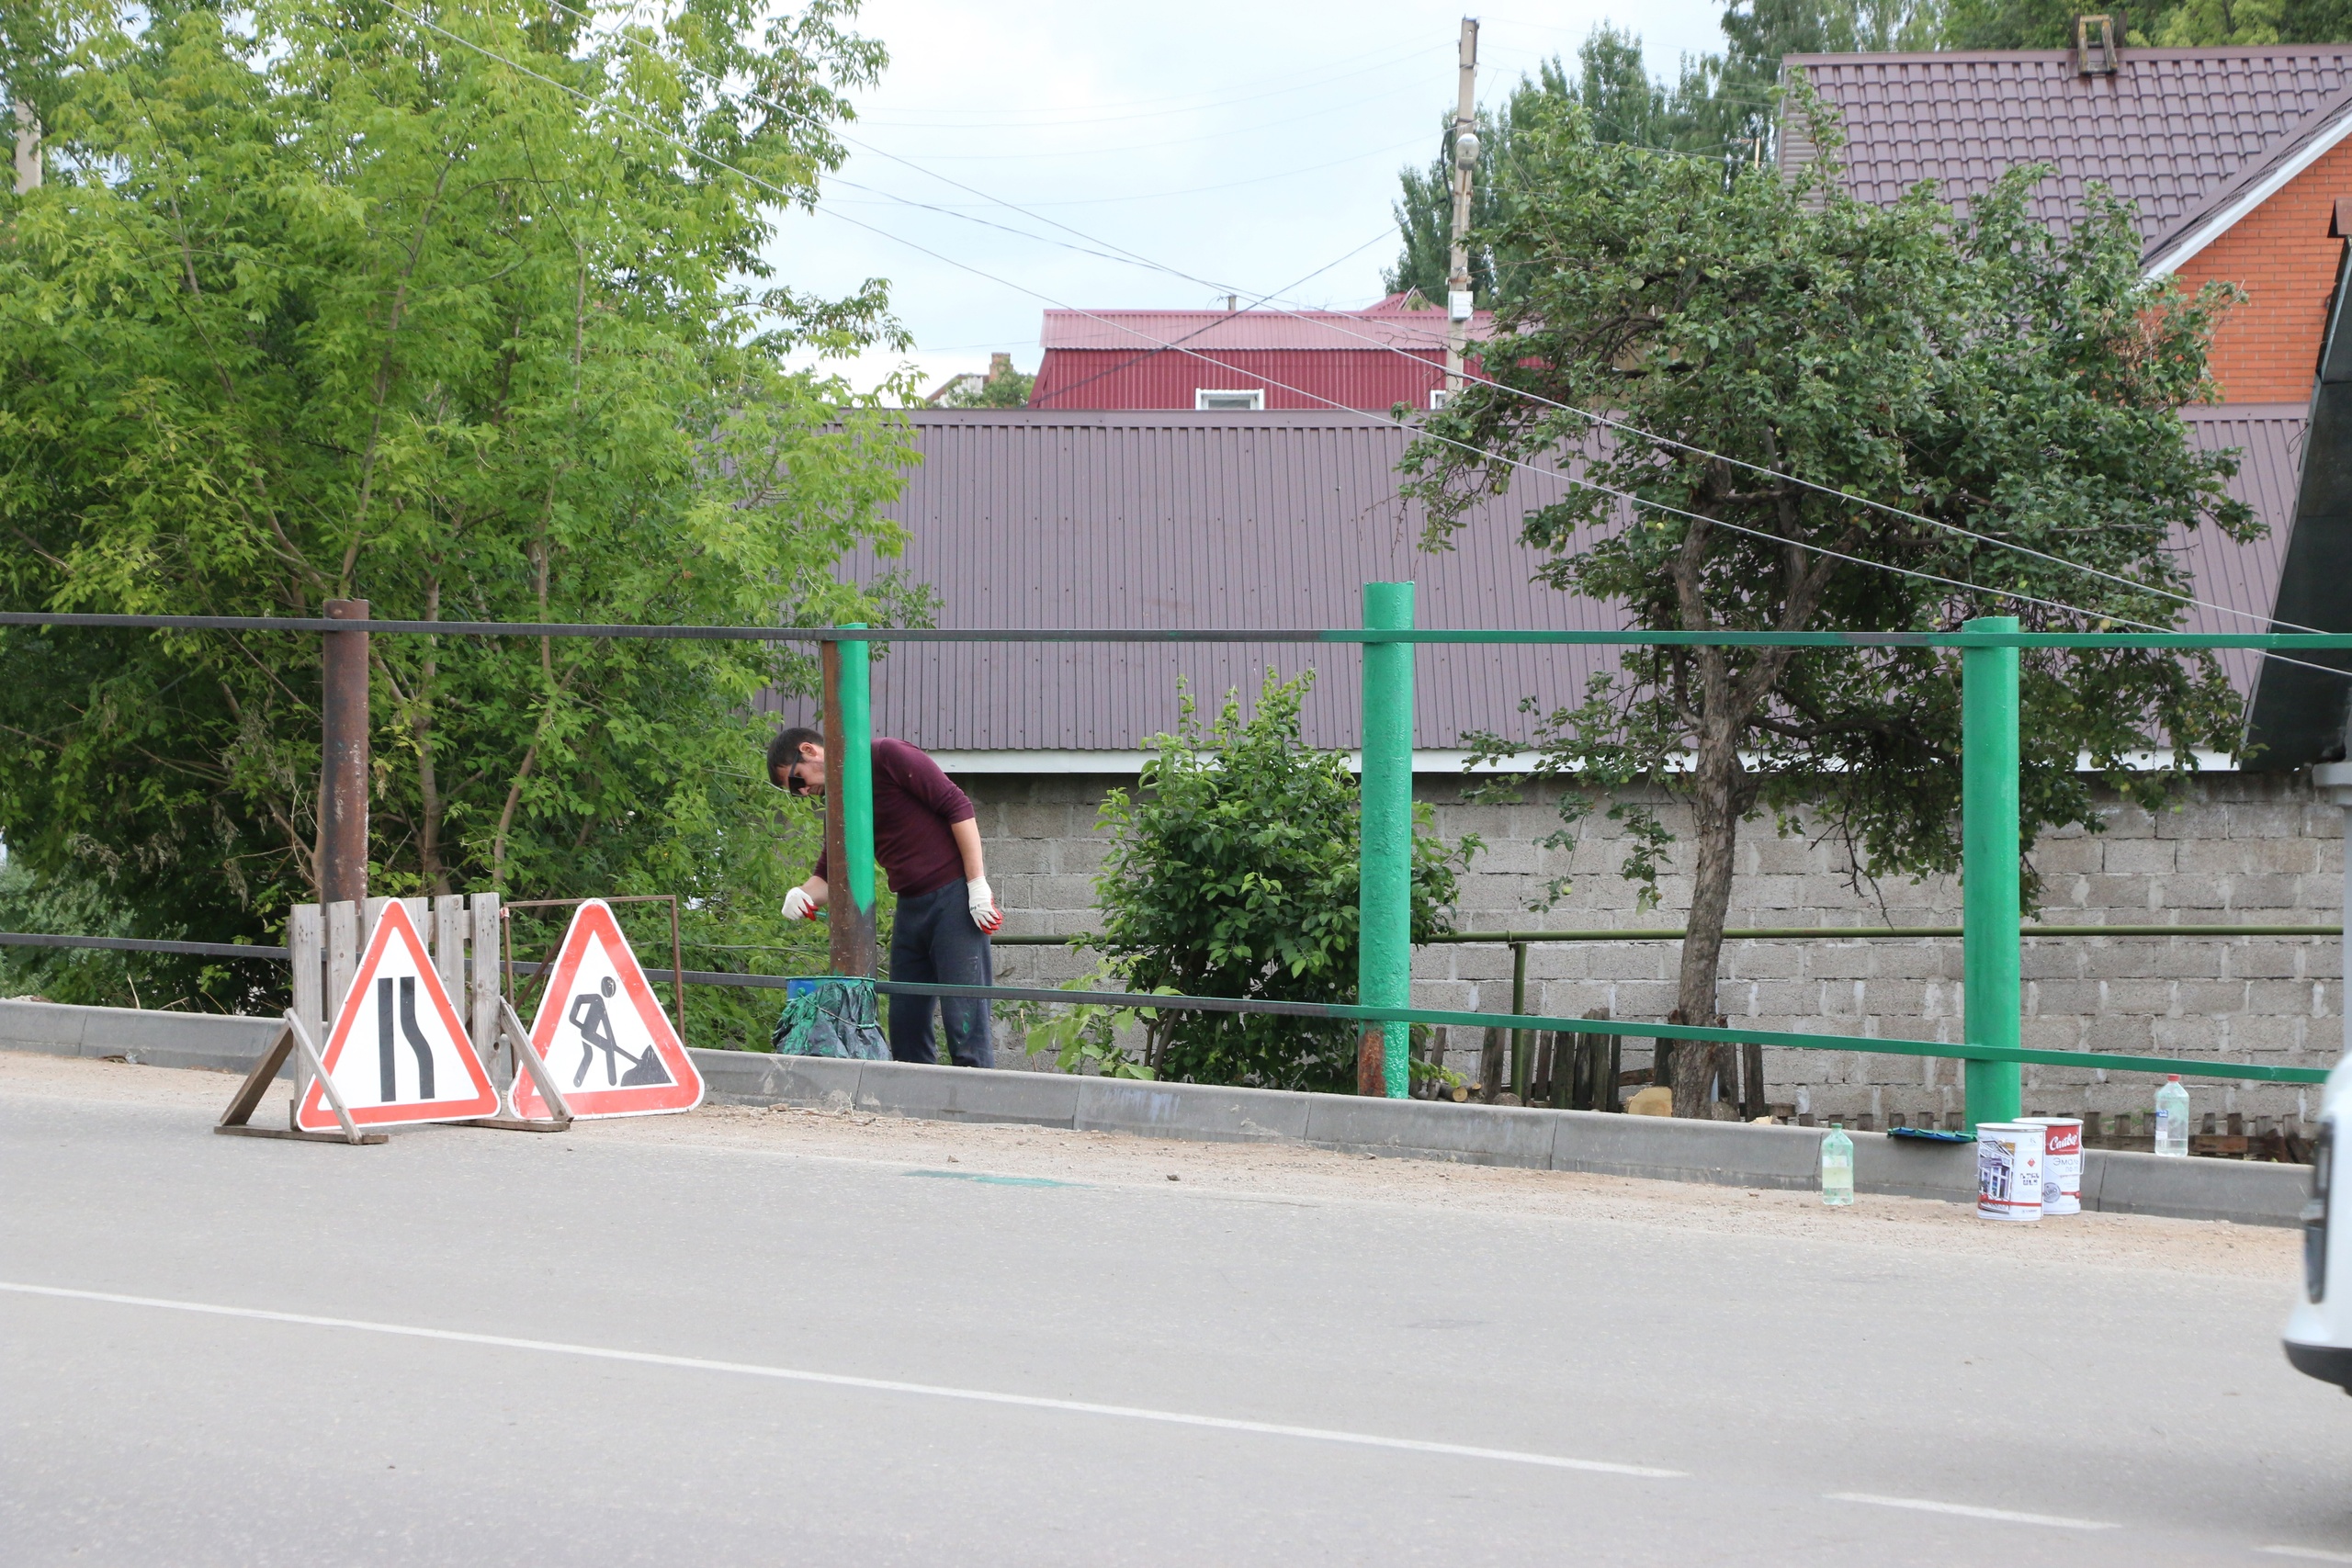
<point>1233,874</point>
<point>65,903</point>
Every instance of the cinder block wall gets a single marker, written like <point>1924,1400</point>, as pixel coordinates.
<point>2240,849</point>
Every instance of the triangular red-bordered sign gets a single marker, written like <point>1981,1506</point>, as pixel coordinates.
<point>398,1050</point>
<point>602,1033</point>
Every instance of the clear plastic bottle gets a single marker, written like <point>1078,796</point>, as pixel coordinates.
<point>2172,1117</point>
<point>1837,1168</point>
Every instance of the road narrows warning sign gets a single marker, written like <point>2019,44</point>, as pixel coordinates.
<point>602,1034</point>
<point>398,1052</point>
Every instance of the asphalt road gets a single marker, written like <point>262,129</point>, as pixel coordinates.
<point>471,1347</point>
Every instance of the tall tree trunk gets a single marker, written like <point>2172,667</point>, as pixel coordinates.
<point>1722,790</point>
<point>1718,800</point>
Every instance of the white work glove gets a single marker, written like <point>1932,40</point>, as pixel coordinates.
<point>984,914</point>
<point>798,906</point>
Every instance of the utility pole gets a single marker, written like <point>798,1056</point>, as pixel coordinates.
<point>1465,159</point>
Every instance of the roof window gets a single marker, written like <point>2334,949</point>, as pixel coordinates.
<point>1210,399</point>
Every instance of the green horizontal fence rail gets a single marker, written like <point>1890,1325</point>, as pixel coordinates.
<point>1774,933</point>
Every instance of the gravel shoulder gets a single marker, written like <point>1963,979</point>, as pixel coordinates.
<point>1289,1174</point>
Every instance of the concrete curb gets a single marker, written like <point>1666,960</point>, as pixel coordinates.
<point>2116,1182</point>
<point>1721,1153</point>
<point>222,1043</point>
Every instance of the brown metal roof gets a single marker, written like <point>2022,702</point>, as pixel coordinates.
<point>1027,519</point>
<point>2173,130</point>
<point>2244,577</point>
<point>1103,518</point>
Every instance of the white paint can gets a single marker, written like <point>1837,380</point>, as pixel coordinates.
<point>2009,1171</point>
<point>2061,1163</point>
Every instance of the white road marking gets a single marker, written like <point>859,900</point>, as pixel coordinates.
<point>1970,1511</point>
<point>837,1380</point>
<point>2308,1553</point>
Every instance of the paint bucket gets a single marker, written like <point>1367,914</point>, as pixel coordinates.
<point>2061,1163</point>
<point>2009,1171</point>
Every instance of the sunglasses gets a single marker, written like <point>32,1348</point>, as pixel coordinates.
<point>792,783</point>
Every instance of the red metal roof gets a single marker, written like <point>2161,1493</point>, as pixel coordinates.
<point>1295,378</point>
<point>1029,519</point>
<point>1379,329</point>
<point>1312,359</point>
<point>2173,130</point>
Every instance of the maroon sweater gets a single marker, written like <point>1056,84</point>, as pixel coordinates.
<point>914,806</point>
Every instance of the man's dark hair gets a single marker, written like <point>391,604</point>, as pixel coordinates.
<point>784,749</point>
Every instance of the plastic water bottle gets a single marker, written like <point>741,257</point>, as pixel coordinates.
<point>1837,1168</point>
<point>2172,1118</point>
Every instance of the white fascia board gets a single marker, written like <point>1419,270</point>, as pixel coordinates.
<point>2222,222</point>
<point>1127,764</point>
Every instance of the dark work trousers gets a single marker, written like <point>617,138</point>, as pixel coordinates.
<point>935,942</point>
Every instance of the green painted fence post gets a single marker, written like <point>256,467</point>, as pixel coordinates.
<point>1385,965</point>
<point>849,824</point>
<point>1988,819</point>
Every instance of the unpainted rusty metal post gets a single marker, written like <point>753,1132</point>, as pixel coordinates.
<point>342,757</point>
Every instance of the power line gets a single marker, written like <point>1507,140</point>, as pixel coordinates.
<point>1137,258</point>
<point>1435,636</point>
<point>1372,416</point>
<point>1148,353</point>
<point>1253,128</point>
<point>1621,495</point>
<point>1163,195</point>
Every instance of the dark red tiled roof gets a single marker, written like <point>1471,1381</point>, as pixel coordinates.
<point>2175,131</point>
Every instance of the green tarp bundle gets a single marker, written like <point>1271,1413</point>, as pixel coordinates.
<point>831,1017</point>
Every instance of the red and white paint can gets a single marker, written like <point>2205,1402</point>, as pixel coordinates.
<point>2009,1171</point>
<point>2061,1163</point>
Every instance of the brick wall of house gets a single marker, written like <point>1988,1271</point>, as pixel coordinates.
<point>2240,849</point>
<point>2281,256</point>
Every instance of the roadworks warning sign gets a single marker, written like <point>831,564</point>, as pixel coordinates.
<point>398,1052</point>
<point>602,1034</point>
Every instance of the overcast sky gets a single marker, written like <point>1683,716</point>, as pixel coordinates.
<point>1249,147</point>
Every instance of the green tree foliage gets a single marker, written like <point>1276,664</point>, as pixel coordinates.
<point>1006,389</point>
<point>1609,81</point>
<point>2199,22</point>
<point>1743,107</point>
<point>1425,219</point>
<point>1718,107</point>
<point>2004,385</point>
<point>2185,24</point>
<point>320,302</point>
<point>1232,873</point>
